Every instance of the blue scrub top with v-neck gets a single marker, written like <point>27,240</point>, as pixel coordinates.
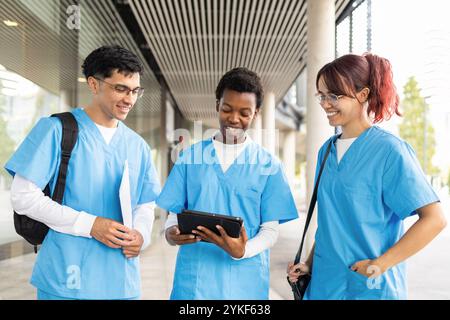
<point>80,267</point>
<point>254,188</point>
<point>362,202</point>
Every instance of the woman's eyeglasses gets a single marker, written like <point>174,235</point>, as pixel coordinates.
<point>331,98</point>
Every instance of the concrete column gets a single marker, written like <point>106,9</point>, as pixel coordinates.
<point>256,129</point>
<point>164,145</point>
<point>321,50</point>
<point>268,121</point>
<point>163,160</point>
<point>289,156</point>
<point>65,102</point>
<point>300,87</point>
<point>68,63</point>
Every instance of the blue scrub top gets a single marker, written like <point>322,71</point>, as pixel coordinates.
<point>362,202</point>
<point>80,267</point>
<point>253,188</point>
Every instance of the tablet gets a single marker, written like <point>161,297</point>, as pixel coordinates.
<point>189,220</point>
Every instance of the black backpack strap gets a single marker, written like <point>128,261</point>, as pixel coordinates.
<point>312,204</point>
<point>68,141</point>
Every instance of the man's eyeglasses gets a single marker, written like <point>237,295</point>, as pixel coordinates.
<point>124,90</point>
<point>331,98</point>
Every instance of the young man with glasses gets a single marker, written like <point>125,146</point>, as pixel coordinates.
<point>88,252</point>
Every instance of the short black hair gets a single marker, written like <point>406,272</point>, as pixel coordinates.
<point>241,80</point>
<point>103,61</point>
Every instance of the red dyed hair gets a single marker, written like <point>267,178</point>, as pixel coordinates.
<point>351,73</point>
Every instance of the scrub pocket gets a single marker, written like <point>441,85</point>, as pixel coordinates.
<point>249,192</point>
<point>249,203</point>
<point>249,279</point>
<point>360,287</point>
<point>363,207</point>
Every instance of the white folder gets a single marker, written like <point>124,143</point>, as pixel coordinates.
<point>125,197</point>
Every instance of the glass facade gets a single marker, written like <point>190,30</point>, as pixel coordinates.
<point>22,103</point>
<point>43,46</point>
<point>353,32</point>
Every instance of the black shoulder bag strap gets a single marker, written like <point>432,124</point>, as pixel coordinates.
<point>312,203</point>
<point>68,140</point>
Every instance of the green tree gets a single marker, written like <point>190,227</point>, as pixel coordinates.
<point>412,129</point>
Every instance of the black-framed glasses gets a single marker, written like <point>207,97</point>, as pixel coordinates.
<point>124,90</point>
<point>331,98</point>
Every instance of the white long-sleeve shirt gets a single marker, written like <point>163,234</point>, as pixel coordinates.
<point>268,232</point>
<point>28,199</point>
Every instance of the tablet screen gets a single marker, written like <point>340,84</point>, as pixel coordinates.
<point>189,220</point>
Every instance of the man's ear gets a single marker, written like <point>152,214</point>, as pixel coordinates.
<point>93,85</point>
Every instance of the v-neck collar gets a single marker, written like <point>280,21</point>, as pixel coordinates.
<point>216,164</point>
<point>96,131</point>
<point>349,154</point>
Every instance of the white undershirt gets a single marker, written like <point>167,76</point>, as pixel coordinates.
<point>106,132</point>
<point>227,153</point>
<point>268,232</point>
<point>28,199</point>
<point>342,146</point>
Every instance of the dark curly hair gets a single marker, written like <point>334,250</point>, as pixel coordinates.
<point>241,80</point>
<point>103,61</point>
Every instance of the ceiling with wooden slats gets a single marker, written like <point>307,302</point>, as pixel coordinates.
<point>195,42</point>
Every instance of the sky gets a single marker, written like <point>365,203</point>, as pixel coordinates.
<point>408,32</point>
<point>415,36</point>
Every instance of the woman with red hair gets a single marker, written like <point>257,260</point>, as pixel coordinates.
<point>370,183</point>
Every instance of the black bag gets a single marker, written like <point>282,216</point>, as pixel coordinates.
<point>300,286</point>
<point>34,231</point>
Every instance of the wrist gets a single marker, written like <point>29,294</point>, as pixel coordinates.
<point>94,226</point>
<point>139,235</point>
<point>381,263</point>
<point>238,255</point>
<point>241,254</point>
<point>309,262</point>
<point>168,236</point>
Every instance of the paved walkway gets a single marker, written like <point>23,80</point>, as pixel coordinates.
<point>427,271</point>
<point>157,267</point>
